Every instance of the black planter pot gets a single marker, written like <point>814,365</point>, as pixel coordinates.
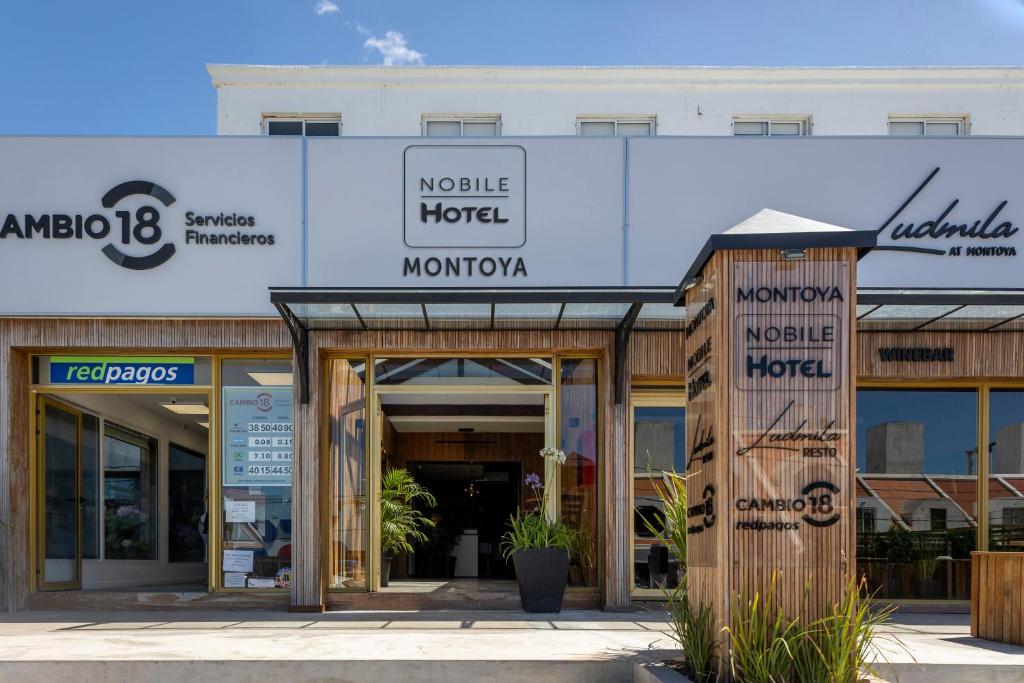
<point>385,570</point>
<point>542,574</point>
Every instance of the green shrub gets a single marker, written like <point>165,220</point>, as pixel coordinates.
<point>399,518</point>
<point>762,640</point>
<point>535,530</point>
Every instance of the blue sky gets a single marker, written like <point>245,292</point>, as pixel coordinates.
<point>119,67</point>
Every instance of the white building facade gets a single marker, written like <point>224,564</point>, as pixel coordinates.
<point>385,101</point>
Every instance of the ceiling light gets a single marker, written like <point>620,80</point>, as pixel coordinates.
<point>272,379</point>
<point>204,425</point>
<point>187,408</point>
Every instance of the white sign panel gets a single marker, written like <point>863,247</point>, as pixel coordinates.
<point>502,212</point>
<point>148,226</point>
<point>948,211</point>
<point>237,561</point>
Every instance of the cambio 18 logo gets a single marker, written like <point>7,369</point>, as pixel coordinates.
<point>125,228</point>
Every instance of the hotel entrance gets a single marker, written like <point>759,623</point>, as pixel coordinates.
<point>468,431</point>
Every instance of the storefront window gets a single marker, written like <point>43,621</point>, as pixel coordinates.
<point>917,491</point>
<point>659,436</point>
<point>348,531</point>
<point>256,426</point>
<point>578,437</point>
<point>186,485</point>
<point>1006,480</point>
<point>129,494</point>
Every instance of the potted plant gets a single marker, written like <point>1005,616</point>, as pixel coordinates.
<point>539,549</point>
<point>400,521</point>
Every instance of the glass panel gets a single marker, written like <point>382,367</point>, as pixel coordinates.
<point>479,129</point>
<point>327,316</point>
<point>90,487</point>
<point>942,128</point>
<point>786,128</point>
<point>284,127</point>
<point>256,410</point>
<point>1006,483</point>
<point>906,128</point>
<point>578,434</point>
<point>597,128</point>
<point>592,315</point>
<point>463,371</point>
<point>661,316</point>
<point>975,317</point>
<point>459,316</point>
<point>122,370</point>
<point>659,437</point>
<point>60,503</point>
<point>750,128</point>
<point>322,129</point>
<point>917,496</point>
<point>129,494</point>
<point>444,128</point>
<point>629,128</point>
<point>526,316</point>
<point>187,532</point>
<point>348,534</point>
<point>392,316</point>
<point>902,317</point>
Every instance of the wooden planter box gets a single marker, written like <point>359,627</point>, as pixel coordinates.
<point>997,597</point>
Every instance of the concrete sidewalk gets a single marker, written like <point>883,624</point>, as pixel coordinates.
<point>378,647</point>
<point>371,647</point>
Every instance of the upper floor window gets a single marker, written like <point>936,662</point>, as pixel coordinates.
<point>927,125</point>
<point>616,126</point>
<point>771,125</point>
<point>462,127</point>
<point>318,126</point>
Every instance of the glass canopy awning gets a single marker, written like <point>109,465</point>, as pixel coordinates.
<point>616,309</point>
<point>939,310</point>
<point>569,308</point>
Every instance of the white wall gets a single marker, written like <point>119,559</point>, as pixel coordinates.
<point>165,428</point>
<point>686,100</point>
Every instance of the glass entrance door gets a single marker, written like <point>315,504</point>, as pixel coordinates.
<point>60,451</point>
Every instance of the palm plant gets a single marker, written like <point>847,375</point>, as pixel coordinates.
<point>400,520</point>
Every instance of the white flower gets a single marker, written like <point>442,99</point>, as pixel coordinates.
<point>556,454</point>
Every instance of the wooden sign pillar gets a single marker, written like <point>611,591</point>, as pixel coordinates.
<point>770,334</point>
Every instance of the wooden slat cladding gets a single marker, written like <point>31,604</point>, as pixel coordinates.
<point>997,597</point>
<point>20,336</point>
<point>991,355</point>
<point>733,409</point>
<point>656,355</point>
<point>816,399</point>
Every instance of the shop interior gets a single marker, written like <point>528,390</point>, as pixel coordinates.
<point>124,491</point>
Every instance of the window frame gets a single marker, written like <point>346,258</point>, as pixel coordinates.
<point>651,121</point>
<point>462,120</point>
<point>805,121</point>
<point>304,119</point>
<point>961,120</point>
<point>645,397</point>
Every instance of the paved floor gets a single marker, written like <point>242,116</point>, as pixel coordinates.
<point>419,646</point>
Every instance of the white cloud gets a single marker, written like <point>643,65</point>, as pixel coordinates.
<point>326,7</point>
<point>392,48</point>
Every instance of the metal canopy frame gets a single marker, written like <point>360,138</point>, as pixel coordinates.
<point>287,300</point>
<point>879,309</point>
